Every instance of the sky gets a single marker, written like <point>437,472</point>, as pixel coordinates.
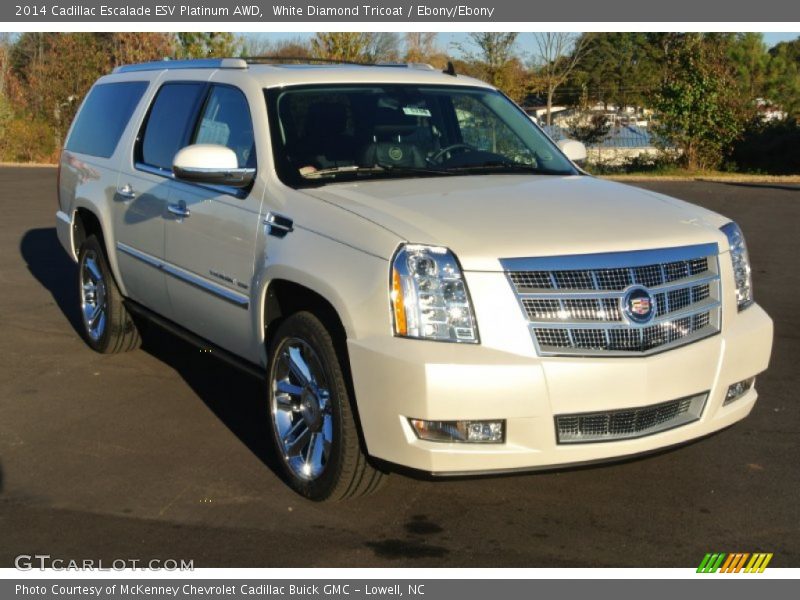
<point>446,40</point>
<point>773,37</point>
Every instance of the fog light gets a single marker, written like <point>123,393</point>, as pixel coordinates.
<point>474,432</point>
<point>738,389</point>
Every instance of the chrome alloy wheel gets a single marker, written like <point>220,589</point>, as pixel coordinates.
<point>93,296</point>
<point>301,408</point>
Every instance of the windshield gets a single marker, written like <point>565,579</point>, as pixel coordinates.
<point>326,133</point>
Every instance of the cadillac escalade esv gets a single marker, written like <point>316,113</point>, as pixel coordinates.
<point>420,274</point>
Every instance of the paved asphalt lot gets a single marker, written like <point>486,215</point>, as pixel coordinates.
<point>163,452</point>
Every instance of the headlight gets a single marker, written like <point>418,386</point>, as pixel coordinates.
<point>429,296</point>
<point>741,265</point>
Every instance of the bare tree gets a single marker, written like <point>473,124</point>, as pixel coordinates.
<point>557,55</point>
<point>420,46</point>
<point>355,46</point>
<point>383,46</point>
<point>257,44</point>
<point>493,51</point>
<point>263,45</point>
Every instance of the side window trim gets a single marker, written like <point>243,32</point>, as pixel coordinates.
<point>142,166</point>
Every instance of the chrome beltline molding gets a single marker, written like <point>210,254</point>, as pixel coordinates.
<point>202,283</point>
<point>168,174</point>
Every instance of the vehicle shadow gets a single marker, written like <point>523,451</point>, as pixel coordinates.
<point>237,399</point>
<point>50,265</point>
<point>774,186</point>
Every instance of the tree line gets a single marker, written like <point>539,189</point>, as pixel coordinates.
<point>707,92</point>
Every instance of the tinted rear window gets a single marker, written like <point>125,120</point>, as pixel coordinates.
<point>103,118</point>
<point>170,123</point>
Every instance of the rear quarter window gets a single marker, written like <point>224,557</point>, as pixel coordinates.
<point>103,117</point>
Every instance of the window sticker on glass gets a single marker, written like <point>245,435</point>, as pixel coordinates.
<point>213,132</point>
<point>415,111</point>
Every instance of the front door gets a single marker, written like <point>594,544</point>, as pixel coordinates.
<point>211,233</point>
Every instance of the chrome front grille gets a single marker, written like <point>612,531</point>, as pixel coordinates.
<point>628,423</point>
<point>609,278</point>
<point>576,305</point>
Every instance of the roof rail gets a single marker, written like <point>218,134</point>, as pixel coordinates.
<point>254,60</point>
<point>408,65</point>
<point>243,62</point>
<point>199,63</point>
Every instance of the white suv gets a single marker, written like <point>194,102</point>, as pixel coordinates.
<point>422,275</point>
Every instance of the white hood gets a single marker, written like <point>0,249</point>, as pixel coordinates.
<point>485,218</point>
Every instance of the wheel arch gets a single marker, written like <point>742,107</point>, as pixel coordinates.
<point>86,221</point>
<point>284,296</point>
<point>289,291</point>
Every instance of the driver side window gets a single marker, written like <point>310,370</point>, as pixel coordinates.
<point>226,121</point>
<point>483,130</point>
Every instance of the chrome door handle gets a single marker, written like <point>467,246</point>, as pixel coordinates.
<point>126,191</point>
<point>179,210</point>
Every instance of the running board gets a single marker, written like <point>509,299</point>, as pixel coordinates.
<point>195,340</point>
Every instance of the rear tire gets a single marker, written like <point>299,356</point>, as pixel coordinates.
<point>107,326</point>
<point>314,429</point>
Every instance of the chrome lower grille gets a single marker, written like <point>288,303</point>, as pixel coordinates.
<point>628,423</point>
<point>578,305</point>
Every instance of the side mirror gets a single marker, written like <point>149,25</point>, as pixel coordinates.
<point>574,150</point>
<point>211,164</point>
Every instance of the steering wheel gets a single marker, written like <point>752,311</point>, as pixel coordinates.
<point>448,149</point>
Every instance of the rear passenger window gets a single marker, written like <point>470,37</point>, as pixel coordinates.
<point>103,118</point>
<point>169,124</point>
<point>226,121</point>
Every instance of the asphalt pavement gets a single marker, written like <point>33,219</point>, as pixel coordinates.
<point>163,452</point>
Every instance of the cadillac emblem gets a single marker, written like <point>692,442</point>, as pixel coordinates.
<point>638,305</point>
<point>396,153</point>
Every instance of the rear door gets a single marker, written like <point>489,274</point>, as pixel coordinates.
<point>144,187</point>
<point>211,232</point>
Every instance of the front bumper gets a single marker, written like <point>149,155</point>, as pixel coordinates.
<point>396,379</point>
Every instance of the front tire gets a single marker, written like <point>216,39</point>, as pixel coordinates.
<point>314,430</point>
<point>107,326</point>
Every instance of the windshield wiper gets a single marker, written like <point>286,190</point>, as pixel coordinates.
<point>376,169</point>
<point>382,169</point>
<point>350,169</point>
<point>507,167</point>
<point>416,170</point>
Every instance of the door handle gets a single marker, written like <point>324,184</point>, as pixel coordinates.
<point>278,225</point>
<point>179,209</point>
<point>126,191</point>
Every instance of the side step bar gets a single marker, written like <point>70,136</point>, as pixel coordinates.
<point>243,365</point>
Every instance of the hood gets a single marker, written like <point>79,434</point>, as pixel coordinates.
<point>485,218</point>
